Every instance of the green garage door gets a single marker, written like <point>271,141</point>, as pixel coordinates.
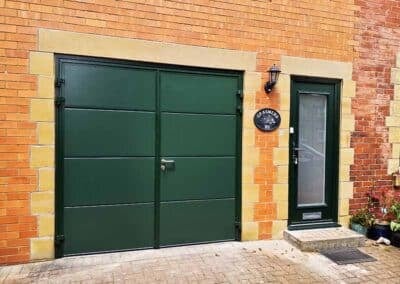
<point>147,156</point>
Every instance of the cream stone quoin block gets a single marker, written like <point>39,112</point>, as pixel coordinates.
<point>42,64</point>
<point>320,69</point>
<point>393,120</point>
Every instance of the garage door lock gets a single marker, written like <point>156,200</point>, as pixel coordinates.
<point>167,165</point>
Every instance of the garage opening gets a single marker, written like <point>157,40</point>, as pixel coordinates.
<point>148,155</point>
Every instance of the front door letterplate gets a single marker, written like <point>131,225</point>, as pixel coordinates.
<point>312,215</point>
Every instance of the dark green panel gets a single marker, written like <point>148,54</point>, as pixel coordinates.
<point>201,93</point>
<point>108,181</point>
<point>325,214</point>
<point>107,86</point>
<point>198,135</point>
<point>109,133</point>
<point>197,221</point>
<point>208,178</point>
<point>107,228</point>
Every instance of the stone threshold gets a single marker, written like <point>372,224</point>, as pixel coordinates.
<point>321,239</point>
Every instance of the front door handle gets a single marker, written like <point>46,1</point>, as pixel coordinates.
<point>167,165</point>
<point>295,151</point>
<point>295,157</point>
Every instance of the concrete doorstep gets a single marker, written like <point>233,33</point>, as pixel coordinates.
<point>322,239</point>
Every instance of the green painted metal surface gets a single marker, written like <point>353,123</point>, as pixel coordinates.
<point>119,120</point>
<point>108,228</point>
<point>197,221</point>
<point>207,178</point>
<point>200,93</point>
<point>108,181</point>
<point>99,85</point>
<point>105,133</point>
<point>198,134</point>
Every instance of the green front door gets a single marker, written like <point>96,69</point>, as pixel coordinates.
<point>314,136</point>
<point>147,155</point>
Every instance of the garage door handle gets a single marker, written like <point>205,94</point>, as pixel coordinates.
<point>167,165</point>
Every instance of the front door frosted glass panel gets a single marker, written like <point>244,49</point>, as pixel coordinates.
<point>312,149</point>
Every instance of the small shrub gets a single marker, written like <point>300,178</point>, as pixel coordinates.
<point>363,217</point>
<point>395,210</point>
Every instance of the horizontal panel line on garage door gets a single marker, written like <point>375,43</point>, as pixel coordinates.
<point>201,156</point>
<point>110,205</point>
<point>150,203</point>
<point>143,203</point>
<point>107,157</point>
<point>132,157</point>
<point>195,113</point>
<point>197,200</point>
<point>108,109</point>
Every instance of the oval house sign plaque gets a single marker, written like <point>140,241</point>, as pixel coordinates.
<point>267,119</point>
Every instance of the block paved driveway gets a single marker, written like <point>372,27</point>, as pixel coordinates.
<point>232,262</point>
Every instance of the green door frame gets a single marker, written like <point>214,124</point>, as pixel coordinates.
<point>59,139</point>
<point>330,211</point>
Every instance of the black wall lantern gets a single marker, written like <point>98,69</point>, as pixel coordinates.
<point>273,78</point>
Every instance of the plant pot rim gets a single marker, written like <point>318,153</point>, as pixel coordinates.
<point>356,223</point>
<point>382,222</point>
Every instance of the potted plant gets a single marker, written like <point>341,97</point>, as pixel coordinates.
<point>361,221</point>
<point>395,223</point>
<point>381,226</point>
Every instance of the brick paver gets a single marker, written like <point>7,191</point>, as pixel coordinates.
<point>232,262</point>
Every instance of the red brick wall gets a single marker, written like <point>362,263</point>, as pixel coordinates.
<point>378,42</point>
<point>271,28</point>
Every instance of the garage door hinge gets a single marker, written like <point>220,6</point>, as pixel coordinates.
<point>59,101</point>
<point>239,109</point>
<point>59,82</point>
<point>238,228</point>
<point>239,93</point>
<point>59,239</point>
